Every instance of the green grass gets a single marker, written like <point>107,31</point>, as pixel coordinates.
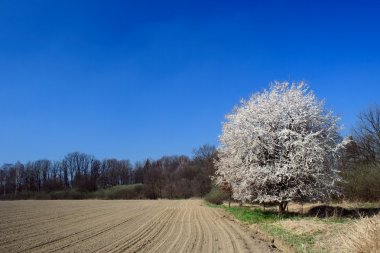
<point>266,221</point>
<point>256,215</point>
<point>301,243</point>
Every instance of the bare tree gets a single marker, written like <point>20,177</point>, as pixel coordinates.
<point>170,176</point>
<point>78,165</point>
<point>361,161</point>
<point>19,168</point>
<point>367,134</point>
<point>3,179</point>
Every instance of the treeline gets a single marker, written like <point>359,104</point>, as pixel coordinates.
<point>78,174</point>
<point>360,166</point>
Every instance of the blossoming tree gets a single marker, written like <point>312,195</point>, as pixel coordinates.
<point>280,146</point>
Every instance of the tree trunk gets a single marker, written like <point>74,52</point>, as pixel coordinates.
<point>282,206</point>
<point>229,200</point>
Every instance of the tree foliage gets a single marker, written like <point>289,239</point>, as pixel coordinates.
<point>280,146</point>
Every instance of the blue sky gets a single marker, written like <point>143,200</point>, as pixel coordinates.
<point>138,79</point>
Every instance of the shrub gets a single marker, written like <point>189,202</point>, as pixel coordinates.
<point>362,183</point>
<point>72,194</point>
<point>216,196</point>
<point>134,191</point>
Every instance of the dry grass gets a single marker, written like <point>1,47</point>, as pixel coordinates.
<point>325,234</point>
<point>301,227</point>
<point>334,233</point>
<point>363,236</point>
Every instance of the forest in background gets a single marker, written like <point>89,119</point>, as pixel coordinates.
<point>79,175</point>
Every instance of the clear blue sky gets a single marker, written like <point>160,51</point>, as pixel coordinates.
<point>138,79</point>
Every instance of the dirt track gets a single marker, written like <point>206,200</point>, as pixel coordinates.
<point>120,226</point>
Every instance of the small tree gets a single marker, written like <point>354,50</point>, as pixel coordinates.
<point>280,146</point>
<point>226,188</point>
<point>367,135</point>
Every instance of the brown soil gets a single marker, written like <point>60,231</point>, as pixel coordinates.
<point>121,226</point>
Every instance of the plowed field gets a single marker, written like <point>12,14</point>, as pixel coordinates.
<point>120,226</point>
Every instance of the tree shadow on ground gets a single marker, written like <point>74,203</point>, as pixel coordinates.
<point>320,211</point>
<point>324,211</point>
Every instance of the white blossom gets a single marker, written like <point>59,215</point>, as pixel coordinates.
<point>280,146</point>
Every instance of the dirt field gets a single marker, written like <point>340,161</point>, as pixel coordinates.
<point>121,226</point>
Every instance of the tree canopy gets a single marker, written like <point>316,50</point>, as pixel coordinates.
<point>280,146</point>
